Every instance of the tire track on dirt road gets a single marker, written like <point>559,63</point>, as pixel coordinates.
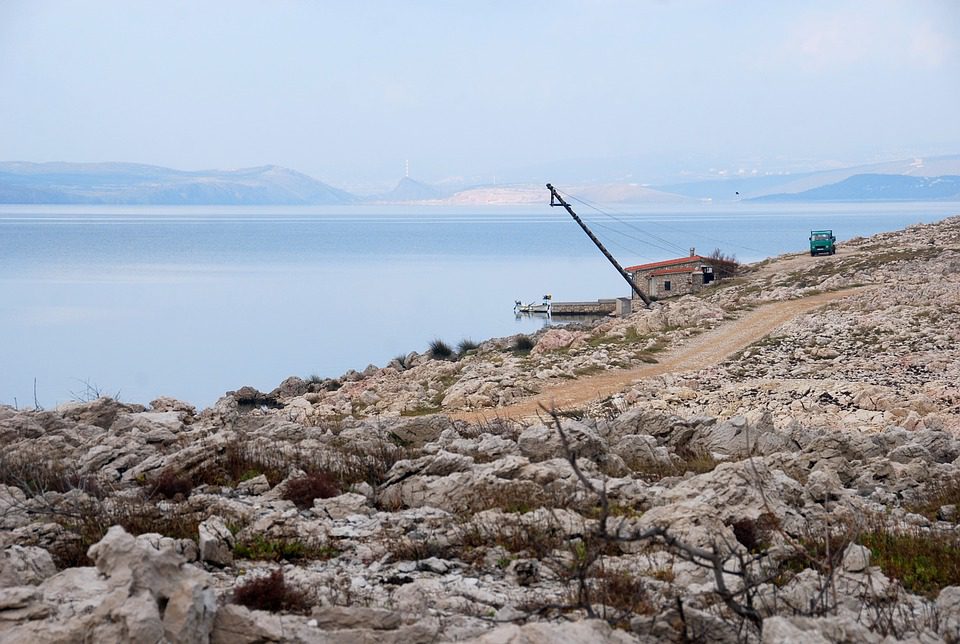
<point>705,350</point>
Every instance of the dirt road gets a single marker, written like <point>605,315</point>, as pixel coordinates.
<point>801,261</point>
<point>700,351</point>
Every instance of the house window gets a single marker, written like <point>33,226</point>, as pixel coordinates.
<point>666,285</point>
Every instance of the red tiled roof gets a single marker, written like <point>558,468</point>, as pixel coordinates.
<point>671,271</point>
<point>664,263</point>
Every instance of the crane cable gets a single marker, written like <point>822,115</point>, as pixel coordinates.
<point>662,225</point>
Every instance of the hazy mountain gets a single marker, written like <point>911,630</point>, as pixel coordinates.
<point>627,193</point>
<point>878,187</point>
<point>129,183</point>
<point>409,190</point>
<point>751,186</point>
<point>607,193</point>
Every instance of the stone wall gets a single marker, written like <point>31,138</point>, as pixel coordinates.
<point>599,307</point>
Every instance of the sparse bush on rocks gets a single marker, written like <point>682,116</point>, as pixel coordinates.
<point>440,350</point>
<point>171,484</point>
<point>86,522</point>
<point>272,593</point>
<point>923,561</point>
<point>465,346</point>
<point>314,485</point>
<point>36,474</point>
<point>264,548</point>
<point>523,344</point>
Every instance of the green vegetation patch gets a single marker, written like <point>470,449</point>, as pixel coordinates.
<point>924,562</point>
<point>281,549</point>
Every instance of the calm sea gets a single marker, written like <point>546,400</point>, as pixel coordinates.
<point>190,302</point>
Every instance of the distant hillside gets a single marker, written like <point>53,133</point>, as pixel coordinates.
<point>409,190</point>
<point>878,187</point>
<point>608,193</point>
<point>129,183</point>
<point>748,187</point>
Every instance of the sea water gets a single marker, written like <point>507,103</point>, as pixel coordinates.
<point>190,302</point>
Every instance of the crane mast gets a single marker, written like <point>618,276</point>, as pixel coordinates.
<point>557,200</point>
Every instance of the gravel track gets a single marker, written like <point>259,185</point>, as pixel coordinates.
<point>696,353</point>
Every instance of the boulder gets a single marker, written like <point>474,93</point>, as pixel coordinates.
<point>948,609</point>
<point>542,442</point>
<point>856,558</point>
<point>25,565</point>
<point>555,339</point>
<point>823,485</point>
<point>140,595</point>
<point>216,542</point>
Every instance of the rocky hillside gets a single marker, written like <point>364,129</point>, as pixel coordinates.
<point>803,489</point>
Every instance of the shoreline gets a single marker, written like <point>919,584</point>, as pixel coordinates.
<point>825,453</point>
<point>212,362</point>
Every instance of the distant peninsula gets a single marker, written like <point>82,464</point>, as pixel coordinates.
<point>877,187</point>
<point>130,183</point>
<point>931,179</point>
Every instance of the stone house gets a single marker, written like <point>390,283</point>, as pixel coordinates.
<point>678,276</point>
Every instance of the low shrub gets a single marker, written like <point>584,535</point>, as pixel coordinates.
<point>689,460</point>
<point>241,461</point>
<point>622,591</point>
<point>304,489</point>
<point>86,523</point>
<point>923,562</point>
<point>281,549</point>
<point>409,549</point>
<point>36,474</point>
<point>536,541</point>
<point>946,493</point>
<point>466,345</point>
<point>271,593</point>
<point>171,484</point>
<point>523,344</point>
<point>755,534</point>
<point>440,350</point>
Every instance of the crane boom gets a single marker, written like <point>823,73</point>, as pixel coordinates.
<point>557,200</point>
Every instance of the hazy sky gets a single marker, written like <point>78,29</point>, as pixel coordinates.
<point>348,90</point>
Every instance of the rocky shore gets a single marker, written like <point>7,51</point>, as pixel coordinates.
<point>804,488</point>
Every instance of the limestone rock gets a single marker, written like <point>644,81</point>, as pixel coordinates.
<point>856,558</point>
<point>541,442</point>
<point>216,542</point>
<point>23,565</point>
<point>593,631</point>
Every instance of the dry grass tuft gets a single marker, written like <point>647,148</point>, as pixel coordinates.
<point>271,593</point>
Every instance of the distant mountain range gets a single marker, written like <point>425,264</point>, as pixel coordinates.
<point>737,187</point>
<point>933,179</point>
<point>878,187</point>
<point>129,183</point>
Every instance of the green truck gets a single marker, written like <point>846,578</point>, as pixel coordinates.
<point>822,241</point>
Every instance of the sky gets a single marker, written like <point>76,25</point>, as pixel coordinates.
<point>511,90</point>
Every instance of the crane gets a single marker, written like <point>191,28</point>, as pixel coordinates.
<point>557,200</point>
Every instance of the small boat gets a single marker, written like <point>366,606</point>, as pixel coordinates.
<point>545,306</point>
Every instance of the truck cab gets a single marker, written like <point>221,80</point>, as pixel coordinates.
<point>822,241</point>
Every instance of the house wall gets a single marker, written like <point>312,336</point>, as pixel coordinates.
<point>680,283</point>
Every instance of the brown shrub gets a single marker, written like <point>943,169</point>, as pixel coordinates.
<point>272,593</point>
<point>755,534</point>
<point>171,484</point>
<point>622,591</point>
<point>36,473</point>
<point>304,489</point>
<point>87,522</point>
